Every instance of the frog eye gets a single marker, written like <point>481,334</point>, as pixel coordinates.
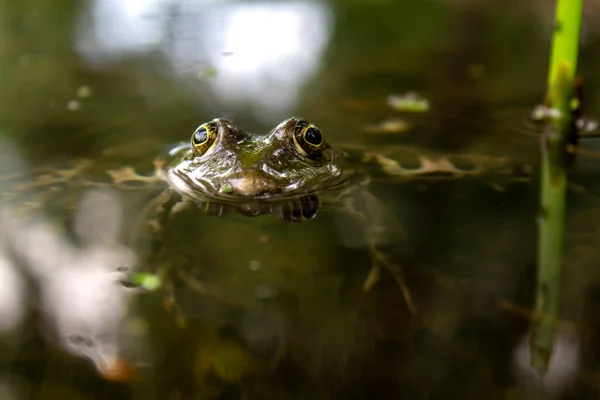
<point>204,138</point>
<point>308,140</point>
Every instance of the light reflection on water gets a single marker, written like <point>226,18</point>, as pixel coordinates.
<point>565,364</point>
<point>261,52</point>
<point>119,27</point>
<point>12,293</point>
<point>81,297</point>
<point>270,51</point>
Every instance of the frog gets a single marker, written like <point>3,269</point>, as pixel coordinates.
<point>224,161</point>
<point>284,171</point>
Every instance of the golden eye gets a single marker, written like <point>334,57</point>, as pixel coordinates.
<point>308,140</point>
<point>204,139</point>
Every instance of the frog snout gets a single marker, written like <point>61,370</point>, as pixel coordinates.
<point>251,184</point>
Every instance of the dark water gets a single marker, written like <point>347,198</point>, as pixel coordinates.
<point>256,307</point>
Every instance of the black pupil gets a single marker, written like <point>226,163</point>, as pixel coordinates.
<point>200,136</point>
<point>313,136</point>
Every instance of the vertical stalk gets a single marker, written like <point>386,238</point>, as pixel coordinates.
<point>554,144</point>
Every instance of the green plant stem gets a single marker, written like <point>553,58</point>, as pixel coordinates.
<point>554,178</point>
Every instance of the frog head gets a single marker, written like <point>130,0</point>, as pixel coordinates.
<point>224,161</point>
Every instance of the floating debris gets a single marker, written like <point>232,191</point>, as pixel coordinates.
<point>147,281</point>
<point>583,124</point>
<point>409,102</point>
<point>254,265</point>
<point>540,113</point>
<point>388,126</point>
<point>586,125</point>
<point>84,91</point>
<point>73,105</point>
